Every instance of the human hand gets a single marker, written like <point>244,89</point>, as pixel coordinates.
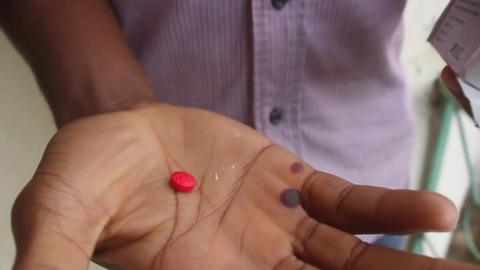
<point>450,80</point>
<point>101,191</point>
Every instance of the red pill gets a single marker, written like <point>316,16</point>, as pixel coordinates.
<point>182,181</point>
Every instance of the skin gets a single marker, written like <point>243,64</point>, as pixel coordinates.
<point>450,80</point>
<point>101,191</point>
<point>78,54</point>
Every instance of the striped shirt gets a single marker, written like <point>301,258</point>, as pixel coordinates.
<point>322,78</point>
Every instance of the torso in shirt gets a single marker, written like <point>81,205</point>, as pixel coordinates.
<point>321,78</point>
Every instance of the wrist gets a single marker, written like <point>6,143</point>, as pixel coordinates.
<point>96,98</point>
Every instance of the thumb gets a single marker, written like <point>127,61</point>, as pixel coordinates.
<point>54,226</point>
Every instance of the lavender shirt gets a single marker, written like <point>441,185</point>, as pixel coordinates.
<point>322,78</point>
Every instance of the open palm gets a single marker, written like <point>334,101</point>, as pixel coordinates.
<point>102,192</point>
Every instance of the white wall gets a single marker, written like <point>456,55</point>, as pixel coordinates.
<point>423,66</point>
<point>25,128</point>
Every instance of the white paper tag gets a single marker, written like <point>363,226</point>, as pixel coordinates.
<point>472,73</point>
<point>473,95</point>
<point>456,37</point>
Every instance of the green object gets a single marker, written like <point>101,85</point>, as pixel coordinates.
<point>449,107</point>
<point>467,217</point>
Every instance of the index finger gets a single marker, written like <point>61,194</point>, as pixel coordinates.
<point>365,209</point>
<point>329,248</point>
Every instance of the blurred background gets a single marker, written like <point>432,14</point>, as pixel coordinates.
<point>440,161</point>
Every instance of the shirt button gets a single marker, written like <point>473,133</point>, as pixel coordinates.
<point>279,4</point>
<point>276,116</point>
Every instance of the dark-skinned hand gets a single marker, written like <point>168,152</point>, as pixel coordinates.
<point>102,192</point>
<point>450,80</point>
